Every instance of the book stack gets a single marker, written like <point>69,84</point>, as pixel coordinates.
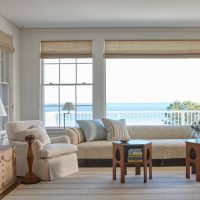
<point>135,155</point>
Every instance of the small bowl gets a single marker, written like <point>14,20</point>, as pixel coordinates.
<point>124,141</point>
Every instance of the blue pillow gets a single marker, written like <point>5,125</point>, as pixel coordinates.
<point>93,130</point>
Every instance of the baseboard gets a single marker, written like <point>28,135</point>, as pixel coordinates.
<point>8,190</point>
<point>108,162</point>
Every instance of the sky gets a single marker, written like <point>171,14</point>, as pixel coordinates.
<point>152,80</point>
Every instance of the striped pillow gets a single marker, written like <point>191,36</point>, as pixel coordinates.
<point>116,129</point>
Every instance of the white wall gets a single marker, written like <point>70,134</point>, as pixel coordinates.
<point>14,68</point>
<point>30,65</point>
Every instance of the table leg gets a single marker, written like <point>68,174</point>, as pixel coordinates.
<point>150,162</point>
<point>114,163</point>
<point>122,166</point>
<point>145,172</point>
<point>197,175</point>
<point>187,162</point>
<point>197,166</point>
<point>193,168</point>
<point>114,171</point>
<point>137,169</point>
<point>150,171</point>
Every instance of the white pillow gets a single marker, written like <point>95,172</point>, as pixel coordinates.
<point>39,133</point>
<point>116,129</point>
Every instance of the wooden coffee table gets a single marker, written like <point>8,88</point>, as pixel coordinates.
<point>120,157</point>
<point>193,158</point>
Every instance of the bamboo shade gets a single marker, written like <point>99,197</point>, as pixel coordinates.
<point>6,42</point>
<point>68,49</point>
<point>132,48</point>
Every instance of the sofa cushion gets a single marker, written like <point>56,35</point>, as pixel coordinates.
<point>57,149</point>
<point>159,132</point>
<point>161,149</point>
<point>168,148</point>
<point>93,130</point>
<point>101,149</point>
<point>116,129</point>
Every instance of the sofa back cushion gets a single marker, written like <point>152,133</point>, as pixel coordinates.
<point>39,133</point>
<point>159,132</point>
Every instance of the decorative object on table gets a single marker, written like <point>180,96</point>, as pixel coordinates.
<point>196,130</point>
<point>68,106</point>
<point>30,177</point>
<point>135,155</point>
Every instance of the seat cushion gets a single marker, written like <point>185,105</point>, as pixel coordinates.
<point>57,149</point>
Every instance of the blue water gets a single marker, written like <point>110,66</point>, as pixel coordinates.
<point>117,107</point>
<point>137,106</point>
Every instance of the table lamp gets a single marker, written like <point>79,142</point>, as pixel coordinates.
<point>68,106</point>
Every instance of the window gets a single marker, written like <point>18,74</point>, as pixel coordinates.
<point>155,82</point>
<point>142,89</point>
<point>66,80</point>
<point>4,86</point>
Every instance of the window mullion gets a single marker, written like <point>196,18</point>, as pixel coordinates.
<point>59,111</point>
<point>76,91</point>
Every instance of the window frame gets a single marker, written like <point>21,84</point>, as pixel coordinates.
<point>75,84</point>
<point>190,121</point>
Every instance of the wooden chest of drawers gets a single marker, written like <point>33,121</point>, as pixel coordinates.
<point>7,167</point>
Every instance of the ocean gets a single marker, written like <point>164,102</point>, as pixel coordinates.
<point>117,107</point>
<point>133,113</point>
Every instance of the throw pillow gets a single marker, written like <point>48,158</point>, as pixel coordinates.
<point>93,130</point>
<point>116,129</point>
<point>75,134</point>
<point>39,133</point>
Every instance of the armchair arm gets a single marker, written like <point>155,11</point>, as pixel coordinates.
<point>76,135</point>
<point>60,139</point>
<point>22,148</point>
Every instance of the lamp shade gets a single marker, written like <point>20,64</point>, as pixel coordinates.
<point>68,106</point>
<point>2,109</point>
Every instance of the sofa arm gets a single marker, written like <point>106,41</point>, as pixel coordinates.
<point>60,139</point>
<point>76,135</point>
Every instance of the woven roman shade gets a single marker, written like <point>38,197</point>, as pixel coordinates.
<point>6,42</point>
<point>133,48</point>
<point>66,49</point>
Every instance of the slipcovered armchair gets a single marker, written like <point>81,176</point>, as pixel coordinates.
<point>53,157</point>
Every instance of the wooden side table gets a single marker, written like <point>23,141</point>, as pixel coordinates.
<point>120,156</point>
<point>193,158</point>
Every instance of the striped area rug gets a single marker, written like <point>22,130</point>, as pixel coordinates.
<point>168,183</point>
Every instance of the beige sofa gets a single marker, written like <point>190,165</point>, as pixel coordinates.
<point>168,142</point>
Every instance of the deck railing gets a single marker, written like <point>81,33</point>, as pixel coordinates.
<point>131,117</point>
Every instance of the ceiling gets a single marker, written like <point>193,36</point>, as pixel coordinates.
<point>101,13</point>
